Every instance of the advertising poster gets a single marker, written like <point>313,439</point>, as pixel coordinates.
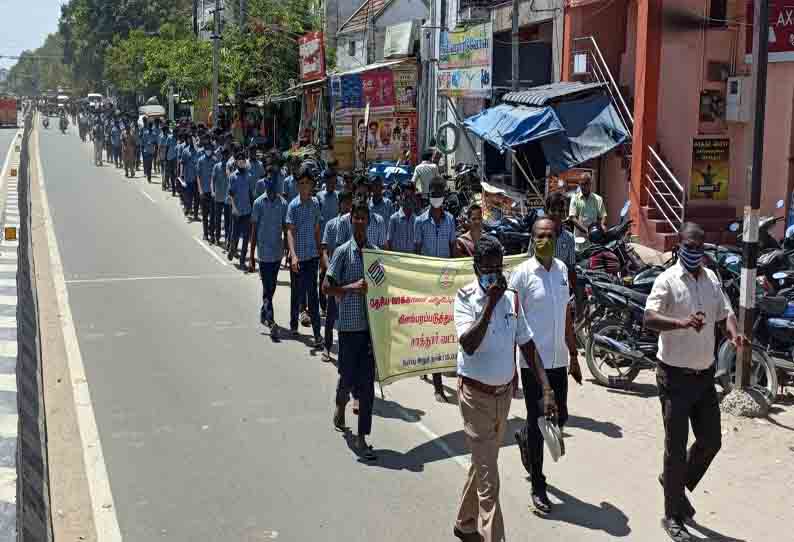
<point>410,303</point>
<point>711,168</point>
<point>388,138</point>
<point>312,56</point>
<point>378,87</point>
<point>405,89</point>
<point>465,61</point>
<point>352,92</point>
<point>781,31</point>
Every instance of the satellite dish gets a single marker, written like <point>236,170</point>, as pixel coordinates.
<point>734,227</point>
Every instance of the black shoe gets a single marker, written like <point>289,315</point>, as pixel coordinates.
<point>541,503</point>
<point>230,255</point>
<point>688,511</point>
<point>676,530</point>
<point>466,537</point>
<point>274,333</point>
<point>440,396</point>
<point>523,450</point>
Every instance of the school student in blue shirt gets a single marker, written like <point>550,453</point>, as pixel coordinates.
<point>220,191</point>
<point>189,158</point>
<point>240,199</point>
<point>303,235</point>
<point>268,238</point>
<point>206,163</point>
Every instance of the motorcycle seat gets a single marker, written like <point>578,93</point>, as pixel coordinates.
<point>628,292</point>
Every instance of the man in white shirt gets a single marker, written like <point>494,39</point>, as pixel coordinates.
<point>684,305</point>
<point>543,291</point>
<point>489,323</point>
<point>424,173</point>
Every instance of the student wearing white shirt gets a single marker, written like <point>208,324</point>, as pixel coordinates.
<point>542,286</point>
<point>489,323</point>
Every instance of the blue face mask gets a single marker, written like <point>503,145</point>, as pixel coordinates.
<point>691,259</point>
<point>487,280</point>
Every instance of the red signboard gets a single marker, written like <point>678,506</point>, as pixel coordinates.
<point>781,30</point>
<point>312,56</point>
<point>378,87</point>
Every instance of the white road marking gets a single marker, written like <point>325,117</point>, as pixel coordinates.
<point>156,277</point>
<point>147,196</point>
<point>215,255</point>
<point>104,510</point>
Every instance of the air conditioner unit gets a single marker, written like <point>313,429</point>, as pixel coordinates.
<point>737,102</point>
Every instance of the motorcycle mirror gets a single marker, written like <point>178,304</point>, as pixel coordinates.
<point>734,227</point>
<point>780,204</point>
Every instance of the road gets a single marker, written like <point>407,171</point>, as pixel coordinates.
<point>212,432</point>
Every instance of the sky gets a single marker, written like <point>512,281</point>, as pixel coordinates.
<point>24,24</point>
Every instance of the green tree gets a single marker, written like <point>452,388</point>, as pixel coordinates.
<point>41,69</point>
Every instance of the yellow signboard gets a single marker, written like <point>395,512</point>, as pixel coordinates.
<point>711,168</point>
<point>410,302</point>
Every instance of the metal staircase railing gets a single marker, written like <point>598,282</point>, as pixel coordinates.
<point>665,192</point>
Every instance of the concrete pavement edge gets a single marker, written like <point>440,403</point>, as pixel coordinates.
<point>70,494</point>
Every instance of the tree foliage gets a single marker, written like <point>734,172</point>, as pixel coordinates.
<point>41,69</point>
<point>90,27</point>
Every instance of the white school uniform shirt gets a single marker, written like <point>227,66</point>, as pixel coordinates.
<point>493,362</point>
<point>544,298</point>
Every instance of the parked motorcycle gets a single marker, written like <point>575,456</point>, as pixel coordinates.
<point>620,345</point>
<point>609,250</point>
<point>766,241</point>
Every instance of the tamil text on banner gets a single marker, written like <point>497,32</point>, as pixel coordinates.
<point>465,61</point>
<point>410,301</point>
<point>711,168</point>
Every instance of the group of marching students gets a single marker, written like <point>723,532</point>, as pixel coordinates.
<point>263,208</point>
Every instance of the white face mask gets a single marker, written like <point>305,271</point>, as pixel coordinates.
<point>436,202</point>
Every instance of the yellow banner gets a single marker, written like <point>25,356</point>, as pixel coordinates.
<point>410,302</point>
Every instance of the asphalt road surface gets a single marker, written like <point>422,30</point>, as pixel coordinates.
<point>209,430</point>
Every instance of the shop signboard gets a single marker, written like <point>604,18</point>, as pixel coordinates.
<point>465,61</point>
<point>312,56</point>
<point>405,88</point>
<point>378,89</point>
<point>781,31</point>
<point>711,167</point>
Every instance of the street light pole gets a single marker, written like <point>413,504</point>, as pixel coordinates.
<point>754,173</point>
<point>216,44</point>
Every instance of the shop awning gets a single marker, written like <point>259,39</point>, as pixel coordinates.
<point>592,129</point>
<point>556,92</point>
<point>375,66</point>
<point>509,126</point>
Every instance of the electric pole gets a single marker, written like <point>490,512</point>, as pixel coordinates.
<point>515,84</point>
<point>216,50</point>
<point>754,172</point>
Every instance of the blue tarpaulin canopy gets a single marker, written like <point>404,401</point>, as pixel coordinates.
<point>592,129</point>
<point>509,126</point>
